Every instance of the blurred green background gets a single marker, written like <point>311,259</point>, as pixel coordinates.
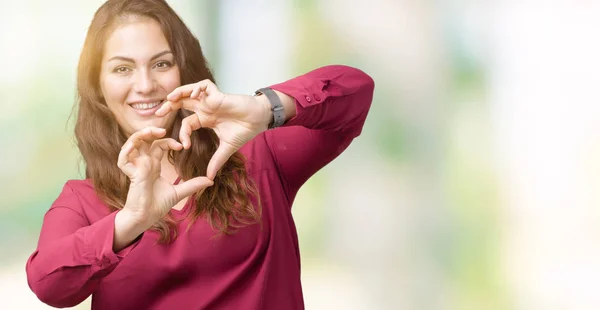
<point>474,184</point>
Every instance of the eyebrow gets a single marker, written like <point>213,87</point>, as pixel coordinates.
<point>131,60</point>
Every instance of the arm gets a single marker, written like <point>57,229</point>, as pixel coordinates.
<point>326,109</point>
<point>330,105</point>
<point>73,256</point>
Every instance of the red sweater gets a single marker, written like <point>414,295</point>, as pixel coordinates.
<point>252,269</point>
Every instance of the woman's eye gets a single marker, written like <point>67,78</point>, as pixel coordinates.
<point>121,70</point>
<point>163,64</point>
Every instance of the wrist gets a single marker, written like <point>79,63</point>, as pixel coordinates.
<point>278,115</point>
<point>127,229</point>
<point>132,224</point>
<point>265,105</point>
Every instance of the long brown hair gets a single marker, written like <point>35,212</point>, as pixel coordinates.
<point>226,205</point>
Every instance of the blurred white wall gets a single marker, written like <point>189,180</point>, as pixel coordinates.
<point>545,73</point>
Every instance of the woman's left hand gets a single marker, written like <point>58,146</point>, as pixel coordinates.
<point>236,119</point>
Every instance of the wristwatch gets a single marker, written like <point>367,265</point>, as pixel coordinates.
<point>276,107</point>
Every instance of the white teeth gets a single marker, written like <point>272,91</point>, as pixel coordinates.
<point>145,106</point>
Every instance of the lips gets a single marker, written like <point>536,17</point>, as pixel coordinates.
<point>146,108</point>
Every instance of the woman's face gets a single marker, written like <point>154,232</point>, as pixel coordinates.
<point>138,72</point>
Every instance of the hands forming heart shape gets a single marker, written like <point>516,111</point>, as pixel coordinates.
<point>235,119</point>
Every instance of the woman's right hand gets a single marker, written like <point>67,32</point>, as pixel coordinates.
<point>150,196</point>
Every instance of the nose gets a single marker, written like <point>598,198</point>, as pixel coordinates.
<point>144,82</point>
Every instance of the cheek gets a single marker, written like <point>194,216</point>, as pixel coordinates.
<point>114,91</point>
<point>171,80</point>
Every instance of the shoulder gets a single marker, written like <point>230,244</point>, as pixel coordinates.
<point>78,188</point>
<point>80,196</point>
<point>79,185</point>
<point>72,189</point>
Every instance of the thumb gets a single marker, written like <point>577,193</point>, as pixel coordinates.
<point>191,186</point>
<point>218,159</point>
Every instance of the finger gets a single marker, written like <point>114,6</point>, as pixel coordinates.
<point>159,147</point>
<point>188,125</point>
<point>168,107</point>
<point>220,157</point>
<point>176,99</point>
<point>182,103</point>
<point>142,139</point>
<point>147,134</point>
<point>123,160</point>
<point>186,90</point>
<point>194,185</point>
<point>135,145</point>
<point>196,92</point>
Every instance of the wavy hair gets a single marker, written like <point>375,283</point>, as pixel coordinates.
<point>232,201</point>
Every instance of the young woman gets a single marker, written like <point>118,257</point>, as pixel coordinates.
<point>188,191</point>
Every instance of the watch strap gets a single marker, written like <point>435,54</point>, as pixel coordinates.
<point>276,107</point>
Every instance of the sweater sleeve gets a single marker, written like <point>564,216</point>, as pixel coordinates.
<point>332,104</point>
<point>72,255</point>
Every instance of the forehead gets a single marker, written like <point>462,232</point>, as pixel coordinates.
<point>138,39</point>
